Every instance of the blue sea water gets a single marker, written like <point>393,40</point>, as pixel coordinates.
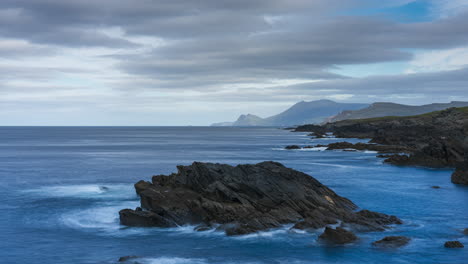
<point>54,208</point>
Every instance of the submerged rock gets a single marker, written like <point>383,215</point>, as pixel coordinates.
<point>244,199</point>
<point>338,236</point>
<point>453,244</point>
<point>435,187</point>
<point>292,147</point>
<point>127,258</point>
<point>392,242</point>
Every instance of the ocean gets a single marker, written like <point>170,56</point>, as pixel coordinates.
<point>62,188</point>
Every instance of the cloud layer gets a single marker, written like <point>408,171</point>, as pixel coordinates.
<point>181,62</point>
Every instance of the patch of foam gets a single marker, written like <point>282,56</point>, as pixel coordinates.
<point>171,260</point>
<point>273,233</point>
<point>115,191</point>
<point>103,218</point>
<point>314,149</point>
<point>370,151</point>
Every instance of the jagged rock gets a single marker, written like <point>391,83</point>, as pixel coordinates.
<point>392,241</point>
<point>141,218</point>
<point>453,244</point>
<point>292,147</point>
<point>438,139</point>
<point>338,236</point>
<point>244,199</point>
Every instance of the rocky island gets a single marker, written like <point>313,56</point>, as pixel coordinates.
<point>435,140</point>
<point>244,199</point>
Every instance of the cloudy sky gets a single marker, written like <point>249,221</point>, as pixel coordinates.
<point>195,62</point>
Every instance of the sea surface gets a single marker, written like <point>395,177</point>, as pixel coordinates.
<point>62,188</point>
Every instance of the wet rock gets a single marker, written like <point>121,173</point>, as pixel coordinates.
<point>366,220</point>
<point>338,236</point>
<point>435,187</point>
<point>141,218</point>
<point>243,199</point>
<point>453,244</point>
<point>292,147</point>
<point>460,177</point>
<point>392,242</point>
<point>465,231</point>
<point>141,186</point>
<point>127,258</point>
<point>103,188</point>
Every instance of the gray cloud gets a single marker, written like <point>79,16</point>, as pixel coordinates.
<point>211,47</point>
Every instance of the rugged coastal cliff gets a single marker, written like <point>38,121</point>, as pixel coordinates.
<point>436,139</point>
<point>245,199</point>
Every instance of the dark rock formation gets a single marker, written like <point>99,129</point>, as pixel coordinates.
<point>435,187</point>
<point>338,236</point>
<point>453,244</point>
<point>364,146</point>
<point>465,231</point>
<point>431,140</point>
<point>292,147</point>
<point>392,242</point>
<point>460,176</point>
<point>244,199</point>
<point>127,258</point>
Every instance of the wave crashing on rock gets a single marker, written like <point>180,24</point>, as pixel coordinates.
<point>245,199</point>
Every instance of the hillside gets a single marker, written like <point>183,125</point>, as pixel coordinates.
<point>392,109</point>
<point>300,113</point>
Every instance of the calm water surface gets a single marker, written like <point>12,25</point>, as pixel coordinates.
<point>54,209</point>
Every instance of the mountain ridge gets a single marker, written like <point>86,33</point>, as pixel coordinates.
<point>381,109</point>
<point>300,113</point>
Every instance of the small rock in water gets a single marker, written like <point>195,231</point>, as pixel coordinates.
<point>453,244</point>
<point>392,241</point>
<point>126,258</point>
<point>103,188</point>
<point>465,231</point>
<point>435,187</point>
<point>292,147</point>
<point>338,235</point>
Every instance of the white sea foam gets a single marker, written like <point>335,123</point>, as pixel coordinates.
<point>103,218</point>
<point>115,191</point>
<point>171,260</point>
<point>314,149</point>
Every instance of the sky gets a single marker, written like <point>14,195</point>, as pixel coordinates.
<point>196,62</point>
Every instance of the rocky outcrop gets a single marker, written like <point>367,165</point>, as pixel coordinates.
<point>453,244</point>
<point>338,236</point>
<point>244,199</point>
<point>460,175</point>
<point>392,242</point>
<point>430,140</point>
<point>465,231</point>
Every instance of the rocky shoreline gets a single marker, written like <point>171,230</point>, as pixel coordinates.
<point>435,140</point>
<point>245,199</point>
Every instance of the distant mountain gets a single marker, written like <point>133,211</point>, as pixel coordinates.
<point>300,113</point>
<point>392,109</point>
